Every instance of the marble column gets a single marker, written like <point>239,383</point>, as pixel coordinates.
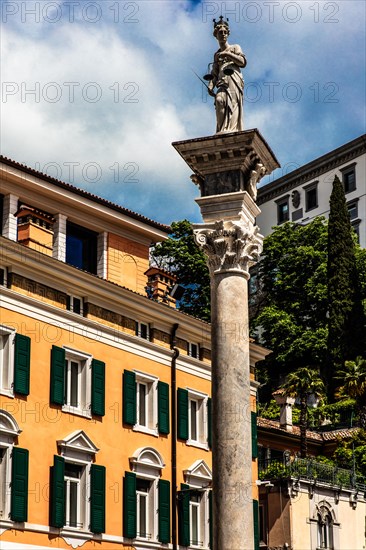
<point>232,243</point>
<point>227,169</point>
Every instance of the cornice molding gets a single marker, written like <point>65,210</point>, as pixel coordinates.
<point>313,169</point>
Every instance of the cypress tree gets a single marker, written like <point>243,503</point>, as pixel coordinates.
<point>346,322</point>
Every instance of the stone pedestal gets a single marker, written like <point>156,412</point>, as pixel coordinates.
<point>227,168</point>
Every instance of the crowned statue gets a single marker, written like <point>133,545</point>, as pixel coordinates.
<point>226,77</point>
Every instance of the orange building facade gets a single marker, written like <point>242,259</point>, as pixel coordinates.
<point>104,391</point>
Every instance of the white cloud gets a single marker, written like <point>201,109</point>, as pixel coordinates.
<point>140,61</point>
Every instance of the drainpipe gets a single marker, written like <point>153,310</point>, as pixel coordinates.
<point>174,432</point>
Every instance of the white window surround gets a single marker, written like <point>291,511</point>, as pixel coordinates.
<point>141,327</point>
<point>150,402</point>
<point>7,340</point>
<point>147,463</point>
<point>5,269</point>
<point>72,298</point>
<point>193,350</point>
<point>9,430</point>
<point>83,382</point>
<point>77,448</point>
<point>320,511</point>
<point>197,435</point>
<point>199,476</point>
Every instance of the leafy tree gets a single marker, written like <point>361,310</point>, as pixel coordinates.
<point>302,383</point>
<point>354,385</point>
<point>290,305</point>
<point>180,255</point>
<point>346,327</point>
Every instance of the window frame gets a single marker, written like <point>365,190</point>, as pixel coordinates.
<point>280,202</point>
<point>139,330</point>
<point>346,171</point>
<point>199,480</point>
<point>201,415</point>
<point>350,205</point>
<point>308,189</point>
<point>147,464</point>
<point>7,369</point>
<point>79,450</point>
<point>9,432</point>
<point>70,304</point>
<point>5,271</point>
<point>151,403</point>
<point>84,360</point>
<point>190,347</point>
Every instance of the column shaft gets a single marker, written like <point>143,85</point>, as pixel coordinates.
<point>231,452</point>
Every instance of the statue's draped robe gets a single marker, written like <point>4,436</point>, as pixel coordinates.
<point>231,88</point>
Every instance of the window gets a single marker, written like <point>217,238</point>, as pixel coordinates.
<point>325,529</point>
<point>144,494</point>
<point>81,247</point>
<point>311,196</point>
<point>145,403</point>
<point>349,178</point>
<point>142,330</point>
<point>353,209</point>
<point>72,481</point>
<point>77,486</point>
<point>75,304</point>
<point>14,362</point>
<point>193,350</point>
<point>13,472</point>
<point>194,417</point>
<point>146,498</point>
<point>194,506</point>
<point>3,276</point>
<point>77,382</point>
<point>282,210</point>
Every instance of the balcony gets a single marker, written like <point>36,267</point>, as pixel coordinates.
<point>308,469</point>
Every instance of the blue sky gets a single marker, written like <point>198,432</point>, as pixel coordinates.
<point>94,93</point>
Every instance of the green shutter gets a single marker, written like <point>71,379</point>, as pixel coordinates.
<point>57,394</point>
<point>98,388</point>
<point>184,534</point>
<point>210,518</point>
<point>254,435</point>
<point>164,511</point>
<point>163,407</point>
<point>19,485</point>
<point>182,402</point>
<point>129,506</point>
<point>21,364</point>
<point>256,524</point>
<point>97,499</point>
<point>209,422</point>
<point>129,398</point>
<point>58,492</point>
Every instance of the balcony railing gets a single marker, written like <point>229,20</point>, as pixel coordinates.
<point>310,470</point>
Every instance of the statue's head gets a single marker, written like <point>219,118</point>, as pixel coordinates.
<point>221,24</point>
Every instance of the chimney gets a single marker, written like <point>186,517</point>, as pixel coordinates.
<point>286,403</point>
<point>159,285</point>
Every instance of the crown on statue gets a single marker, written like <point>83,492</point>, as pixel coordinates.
<point>221,21</point>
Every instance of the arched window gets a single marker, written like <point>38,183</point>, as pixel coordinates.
<point>146,498</point>
<point>325,528</point>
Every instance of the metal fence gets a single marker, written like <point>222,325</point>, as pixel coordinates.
<point>309,469</point>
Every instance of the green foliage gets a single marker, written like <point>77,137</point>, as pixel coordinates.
<point>291,304</point>
<point>353,447</point>
<point>180,255</point>
<point>346,328</point>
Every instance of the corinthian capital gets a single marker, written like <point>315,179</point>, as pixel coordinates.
<point>230,245</point>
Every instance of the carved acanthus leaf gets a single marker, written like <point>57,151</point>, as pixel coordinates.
<point>230,245</point>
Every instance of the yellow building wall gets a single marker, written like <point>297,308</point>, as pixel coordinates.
<point>42,424</point>
<point>127,263</point>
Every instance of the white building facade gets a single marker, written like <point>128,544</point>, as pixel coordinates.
<point>304,193</point>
